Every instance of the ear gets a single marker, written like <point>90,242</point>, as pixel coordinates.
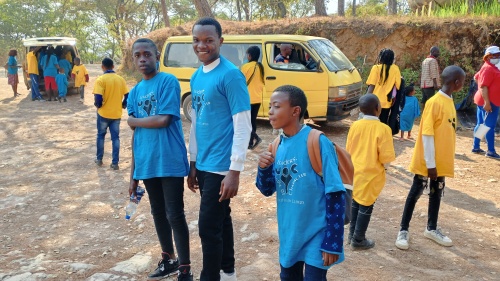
<point>221,40</point>
<point>158,55</point>
<point>296,111</point>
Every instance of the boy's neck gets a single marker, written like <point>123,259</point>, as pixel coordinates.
<point>150,75</point>
<point>292,130</point>
<point>447,90</point>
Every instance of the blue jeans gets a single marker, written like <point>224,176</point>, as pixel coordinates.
<point>81,90</point>
<point>297,273</point>
<point>490,121</point>
<point>166,196</point>
<point>114,129</point>
<point>35,90</point>
<point>215,228</point>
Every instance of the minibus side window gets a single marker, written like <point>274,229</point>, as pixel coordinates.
<point>237,52</point>
<point>181,55</point>
<point>295,59</point>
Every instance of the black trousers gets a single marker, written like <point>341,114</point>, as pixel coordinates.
<point>384,115</point>
<point>360,219</point>
<point>253,115</point>
<point>166,196</point>
<point>215,228</point>
<point>436,189</point>
<point>427,93</point>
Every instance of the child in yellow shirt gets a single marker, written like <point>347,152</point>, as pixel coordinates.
<point>81,77</point>
<point>433,157</point>
<point>370,144</point>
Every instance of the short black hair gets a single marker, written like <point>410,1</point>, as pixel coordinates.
<point>452,73</point>
<point>296,96</point>
<point>77,58</point>
<point>408,89</point>
<point>61,68</point>
<point>107,63</point>
<point>209,21</point>
<point>147,41</point>
<point>254,53</point>
<point>368,104</point>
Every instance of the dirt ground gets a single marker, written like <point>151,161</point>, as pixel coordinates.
<point>62,217</point>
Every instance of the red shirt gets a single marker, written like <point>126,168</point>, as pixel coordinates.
<point>489,76</point>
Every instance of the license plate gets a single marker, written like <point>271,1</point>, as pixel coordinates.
<point>354,111</point>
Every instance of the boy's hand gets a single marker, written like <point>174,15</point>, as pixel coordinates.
<point>131,120</point>
<point>192,181</point>
<point>265,159</point>
<point>132,189</point>
<point>432,173</point>
<point>229,185</point>
<point>487,107</point>
<point>329,259</point>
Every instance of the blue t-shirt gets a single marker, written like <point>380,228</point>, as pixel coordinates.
<point>217,96</point>
<point>301,200</point>
<point>62,83</point>
<point>49,69</point>
<point>66,65</point>
<point>12,63</point>
<point>158,152</point>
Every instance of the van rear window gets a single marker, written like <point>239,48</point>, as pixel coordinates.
<point>181,55</point>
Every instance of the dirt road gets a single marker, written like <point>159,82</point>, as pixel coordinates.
<point>61,217</point>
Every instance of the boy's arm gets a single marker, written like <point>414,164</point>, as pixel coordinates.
<point>155,121</point>
<point>132,189</point>
<point>386,153</point>
<point>334,235</point>
<point>430,156</point>
<point>265,181</point>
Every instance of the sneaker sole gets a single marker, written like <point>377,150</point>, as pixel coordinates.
<point>163,277</point>
<point>402,247</point>
<point>493,157</point>
<point>442,243</point>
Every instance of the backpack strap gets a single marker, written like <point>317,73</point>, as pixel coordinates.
<point>314,151</point>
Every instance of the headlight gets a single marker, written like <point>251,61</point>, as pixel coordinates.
<point>337,93</point>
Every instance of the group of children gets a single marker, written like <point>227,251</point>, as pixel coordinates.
<point>310,230</point>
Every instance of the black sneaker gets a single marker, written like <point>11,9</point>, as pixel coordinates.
<point>166,267</point>
<point>114,167</point>
<point>65,100</point>
<point>98,162</point>
<point>185,277</point>
<point>362,245</point>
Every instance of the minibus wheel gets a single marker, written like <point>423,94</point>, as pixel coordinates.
<point>186,107</point>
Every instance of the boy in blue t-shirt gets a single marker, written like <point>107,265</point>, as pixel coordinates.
<point>218,142</point>
<point>311,208</point>
<point>159,157</point>
<point>62,84</point>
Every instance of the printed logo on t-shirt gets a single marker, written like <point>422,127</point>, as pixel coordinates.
<point>147,105</point>
<point>199,102</point>
<point>287,174</point>
<point>453,123</point>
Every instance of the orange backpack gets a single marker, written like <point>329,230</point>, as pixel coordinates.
<point>346,168</point>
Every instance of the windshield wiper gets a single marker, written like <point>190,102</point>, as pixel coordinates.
<point>352,69</point>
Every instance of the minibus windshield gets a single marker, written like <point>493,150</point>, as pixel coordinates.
<point>333,58</point>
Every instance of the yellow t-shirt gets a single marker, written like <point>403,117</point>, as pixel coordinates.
<point>256,86</point>
<point>80,71</point>
<point>370,144</point>
<point>439,119</point>
<point>69,57</point>
<point>381,90</point>
<point>112,87</point>
<point>32,63</point>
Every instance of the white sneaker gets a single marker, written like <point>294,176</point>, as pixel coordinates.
<point>438,237</point>
<point>81,100</point>
<point>227,276</point>
<point>402,240</point>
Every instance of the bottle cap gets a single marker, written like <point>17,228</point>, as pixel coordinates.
<point>127,217</point>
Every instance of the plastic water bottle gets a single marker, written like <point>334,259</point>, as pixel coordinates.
<point>134,201</point>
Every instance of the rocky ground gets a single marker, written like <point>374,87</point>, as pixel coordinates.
<point>62,218</point>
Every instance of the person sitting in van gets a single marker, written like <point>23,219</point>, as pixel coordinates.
<point>310,63</point>
<point>284,55</point>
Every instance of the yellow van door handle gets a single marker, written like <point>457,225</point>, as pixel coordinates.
<point>271,78</point>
